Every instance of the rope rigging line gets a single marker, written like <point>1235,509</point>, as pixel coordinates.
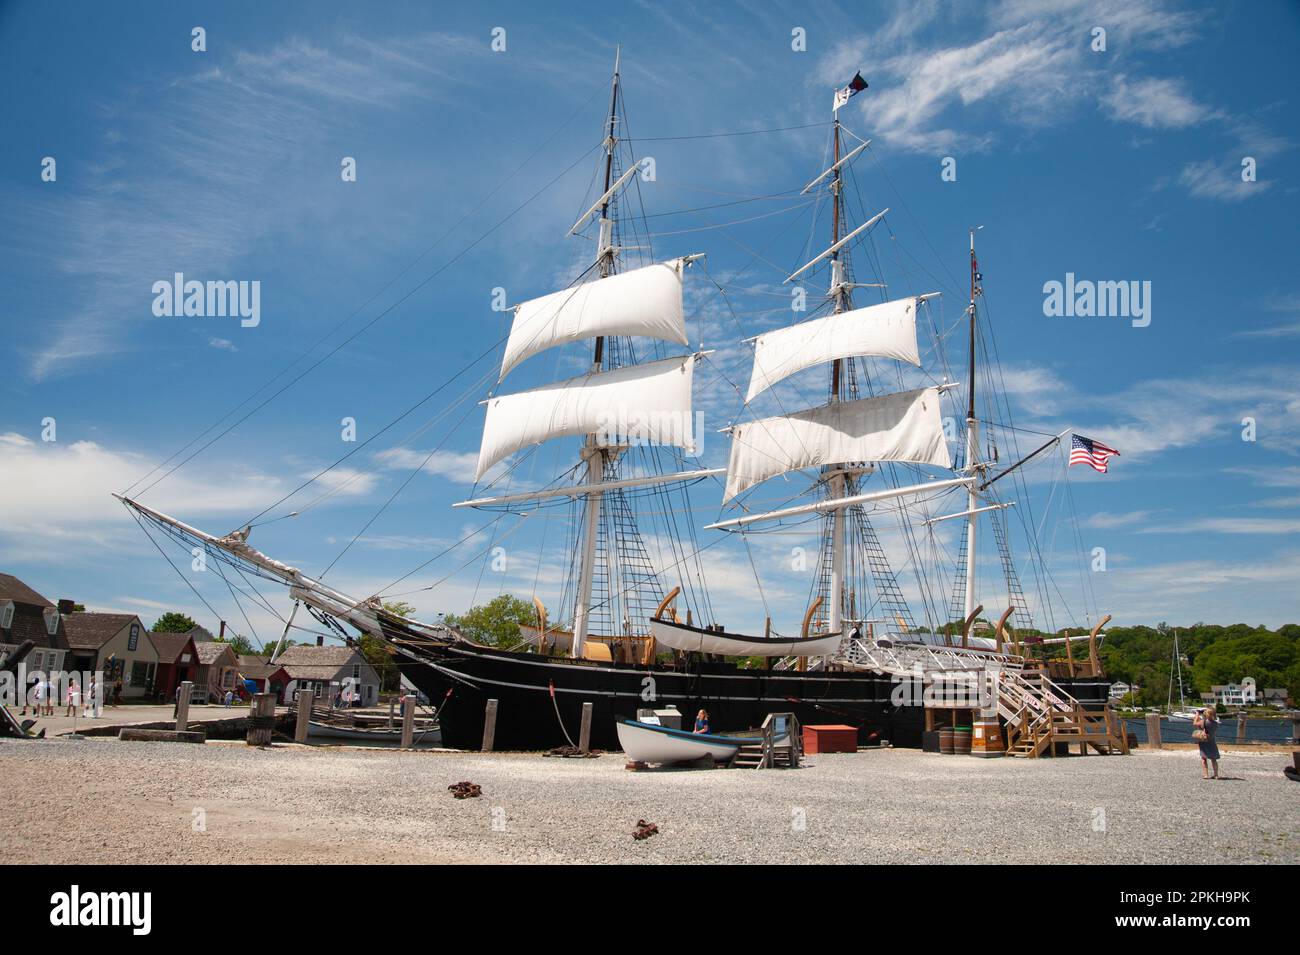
<point>364,328</point>
<point>522,166</point>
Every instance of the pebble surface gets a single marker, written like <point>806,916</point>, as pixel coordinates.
<point>105,801</point>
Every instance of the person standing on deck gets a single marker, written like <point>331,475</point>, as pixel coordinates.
<point>1208,723</point>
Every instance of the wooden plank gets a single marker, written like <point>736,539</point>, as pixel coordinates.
<point>306,700</point>
<point>133,734</point>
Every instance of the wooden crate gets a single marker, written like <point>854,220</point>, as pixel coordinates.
<point>830,739</point>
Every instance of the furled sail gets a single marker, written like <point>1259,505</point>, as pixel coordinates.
<point>905,426</point>
<point>887,330</point>
<point>645,301</point>
<point>649,403</point>
<point>681,637</point>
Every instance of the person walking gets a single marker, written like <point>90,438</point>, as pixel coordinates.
<point>74,698</point>
<point>1207,727</point>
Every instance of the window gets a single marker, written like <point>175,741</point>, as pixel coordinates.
<point>51,621</point>
<point>38,658</point>
<point>7,615</point>
<point>356,671</point>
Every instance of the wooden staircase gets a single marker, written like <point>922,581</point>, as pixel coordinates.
<point>1039,715</point>
<point>780,748</point>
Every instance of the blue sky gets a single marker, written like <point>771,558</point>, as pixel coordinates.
<point>1122,164</point>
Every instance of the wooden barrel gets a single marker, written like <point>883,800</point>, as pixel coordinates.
<point>946,742</point>
<point>986,738</point>
<point>961,740</point>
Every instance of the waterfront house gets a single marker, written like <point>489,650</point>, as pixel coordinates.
<point>178,661</point>
<point>216,670</point>
<point>1119,690</point>
<point>328,671</point>
<point>116,644</point>
<point>1275,696</point>
<point>26,615</point>
<point>1236,694</point>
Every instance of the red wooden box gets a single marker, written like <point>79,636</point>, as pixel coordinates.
<point>830,739</point>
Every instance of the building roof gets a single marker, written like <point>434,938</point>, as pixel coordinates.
<point>170,646</point>
<point>254,667</point>
<point>90,631</point>
<point>210,651</point>
<point>11,588</point>
<point>317,663</point>
<point>201,634</point>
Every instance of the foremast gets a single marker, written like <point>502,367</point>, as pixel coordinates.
<point>594,455</point>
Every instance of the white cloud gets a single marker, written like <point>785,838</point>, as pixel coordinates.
<point>1154,103</point>
<point>1214,179</point>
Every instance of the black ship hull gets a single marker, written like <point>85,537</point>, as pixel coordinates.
<point>529,714</point>
<point>540,698</point>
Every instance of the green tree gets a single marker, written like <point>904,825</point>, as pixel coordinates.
<point>497,622</point>
<point>173,622</point>
<point>239,643</point>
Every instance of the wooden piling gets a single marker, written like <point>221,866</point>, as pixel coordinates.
<point>584,733</point>
<point>261,719</point>
<point>306,700</point>
<point>183,706</point>
<point>489,725</point>
<point>1153,730</point>
<point>1241,727</point>
<point>408,722</point>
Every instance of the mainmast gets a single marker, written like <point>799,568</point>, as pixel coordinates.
<point>973,465</point>
<point>837,479</point>
<point>594,455</point>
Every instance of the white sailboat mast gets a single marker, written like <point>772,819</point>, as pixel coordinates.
<point>973,466</point>
<point>595,456</point>
<point>838,482</point>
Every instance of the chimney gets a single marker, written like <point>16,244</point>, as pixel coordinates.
<point>223,631</point>
<point>66,606</point>
<point>320,640</point>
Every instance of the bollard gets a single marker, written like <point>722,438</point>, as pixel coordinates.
<point>1241,727</point>
<point>408,722</point>
<point>261,719</point>
<point>306,699</point>
<point>392,704</point>
<point>183,706</point>
<point>1153,730</point>
<point>489,726</point>
<point>584,734</point>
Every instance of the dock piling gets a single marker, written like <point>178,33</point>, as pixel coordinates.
<point>584,734</point>
<point>1153,730</point>
<point>489,726</point>
<point>183,706</point>
<point>306,701</point>
<point>261,719</point>
<point>408,722</point>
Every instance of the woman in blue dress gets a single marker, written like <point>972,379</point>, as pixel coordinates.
<point>1208,722</point>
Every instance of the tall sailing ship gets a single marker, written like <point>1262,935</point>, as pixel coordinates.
<point>641,633</point>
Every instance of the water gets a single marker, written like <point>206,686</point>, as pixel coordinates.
<point>1180,731</point>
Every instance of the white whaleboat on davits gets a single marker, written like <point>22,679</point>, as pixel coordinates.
<point>642,627</point>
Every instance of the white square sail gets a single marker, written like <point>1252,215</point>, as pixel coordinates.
<point>649,403</point>
<point>887,330</point>
<point>905,426</point>
<point>645,301</point>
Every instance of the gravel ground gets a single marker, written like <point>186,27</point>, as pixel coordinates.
<point>106,801</point>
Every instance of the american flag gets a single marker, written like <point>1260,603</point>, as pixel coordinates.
<point>1087,451</point>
